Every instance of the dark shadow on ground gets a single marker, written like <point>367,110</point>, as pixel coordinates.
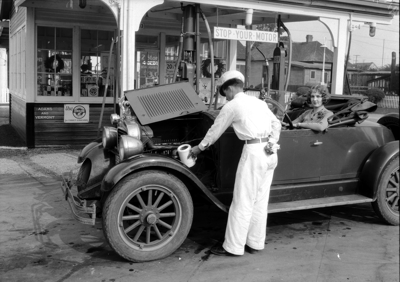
<point>9,137</point>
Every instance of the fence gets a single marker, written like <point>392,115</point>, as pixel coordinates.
<point>389,102</point>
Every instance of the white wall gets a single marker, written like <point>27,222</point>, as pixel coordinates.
<point>3,76</point>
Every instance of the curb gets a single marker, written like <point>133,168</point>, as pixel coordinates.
<point>13,148</point>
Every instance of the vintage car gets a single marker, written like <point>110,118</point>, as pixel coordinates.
<point>133,180</point>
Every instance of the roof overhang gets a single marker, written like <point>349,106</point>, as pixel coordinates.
<point>265,11</point>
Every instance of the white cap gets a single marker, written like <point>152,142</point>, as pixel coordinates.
<point>228,76</point>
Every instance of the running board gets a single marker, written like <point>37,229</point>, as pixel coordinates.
<point>318,203</point>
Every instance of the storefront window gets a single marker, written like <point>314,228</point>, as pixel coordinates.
<point>171,56</point>
<point>220,47</point>
<point>148,63</point>
<point>95,51</point>
<point>54,61</point>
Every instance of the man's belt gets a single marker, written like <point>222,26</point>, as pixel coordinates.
<point>257,140</point>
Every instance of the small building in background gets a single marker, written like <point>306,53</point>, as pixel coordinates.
<point>307,63</point>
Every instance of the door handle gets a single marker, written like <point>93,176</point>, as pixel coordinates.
<point>317,143</point>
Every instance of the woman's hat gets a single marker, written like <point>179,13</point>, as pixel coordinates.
<point>233,74</point>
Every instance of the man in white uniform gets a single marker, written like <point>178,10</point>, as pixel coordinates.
<point>253,122</point>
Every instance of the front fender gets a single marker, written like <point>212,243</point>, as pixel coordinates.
<point>97,162</point>
<point>374,167</point>
<point>86,150</point>
<point>151,161</point>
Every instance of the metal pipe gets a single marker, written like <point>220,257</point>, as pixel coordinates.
<point>105,88</point>
<point>198,75</point>
<point>347,61</point>
<point>178,60</point>
<point>211,48</point>
<point>290,53</point>
<point>117,61</point>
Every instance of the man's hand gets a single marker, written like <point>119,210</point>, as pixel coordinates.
<point>194,152</point>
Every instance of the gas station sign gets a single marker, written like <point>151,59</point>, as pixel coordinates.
<point>245,34</point>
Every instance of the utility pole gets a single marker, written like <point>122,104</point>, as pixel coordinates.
<point>357,69</point>
<point>248,22</point>
<point>393,73</point>
<point>323,82</point>
<point>383,51</point>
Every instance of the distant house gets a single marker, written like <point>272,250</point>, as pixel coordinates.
<point>307,63</point>
<point>370,66</point>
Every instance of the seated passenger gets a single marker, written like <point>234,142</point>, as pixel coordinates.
<point>317,117</point>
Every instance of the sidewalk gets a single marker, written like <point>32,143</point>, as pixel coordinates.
<point>40,241</point>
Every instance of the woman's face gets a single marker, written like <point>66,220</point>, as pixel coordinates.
<point>316,99</point>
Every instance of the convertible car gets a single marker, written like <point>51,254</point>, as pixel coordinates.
<point>133,180</point>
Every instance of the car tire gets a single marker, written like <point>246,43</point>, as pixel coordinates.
<point>147,216</point>
<point>387,201</point>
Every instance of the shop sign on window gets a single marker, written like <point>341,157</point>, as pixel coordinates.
<point>76,113</point>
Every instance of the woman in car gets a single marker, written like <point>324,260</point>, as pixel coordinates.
<point>316,118</point>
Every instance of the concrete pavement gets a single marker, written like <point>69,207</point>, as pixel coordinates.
<point>40,241</point>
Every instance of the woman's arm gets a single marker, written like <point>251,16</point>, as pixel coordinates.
<point>317,126</point>
<point>300,118</point>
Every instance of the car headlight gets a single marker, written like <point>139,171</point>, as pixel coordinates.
<point>110,137</point>
<point>114,118</point>
<point>133,129</point>
<point>129,146</point>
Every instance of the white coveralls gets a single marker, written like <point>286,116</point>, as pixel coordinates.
<point>250,118</point>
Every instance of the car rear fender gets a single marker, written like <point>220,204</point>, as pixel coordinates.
<point>391,121</point>
<point>156,162</point>
<point>374,167</point>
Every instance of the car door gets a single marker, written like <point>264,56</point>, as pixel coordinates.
<point>299,156</point>
<point>344,150</point>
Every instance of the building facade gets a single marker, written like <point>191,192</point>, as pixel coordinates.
<point>69,58</point>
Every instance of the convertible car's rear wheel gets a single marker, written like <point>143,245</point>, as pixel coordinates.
<point>147,216</point>
<point>387,202</point>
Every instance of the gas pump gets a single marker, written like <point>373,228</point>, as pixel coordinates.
<point>278,74</point>
<point>188,62</point>
<point>280,81</point>
<point>186,66</point>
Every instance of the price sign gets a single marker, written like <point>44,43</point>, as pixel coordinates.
<point>170,67</point>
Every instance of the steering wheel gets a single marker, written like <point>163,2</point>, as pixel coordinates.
<point>279,111</point>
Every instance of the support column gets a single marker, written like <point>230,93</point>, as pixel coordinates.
<point>132,14</point>
<point>232,54</point>
<point>339,54</point>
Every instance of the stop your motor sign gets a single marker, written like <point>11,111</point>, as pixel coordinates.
<point>245,34</point>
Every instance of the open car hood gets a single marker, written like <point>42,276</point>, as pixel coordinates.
<point>164,102</point>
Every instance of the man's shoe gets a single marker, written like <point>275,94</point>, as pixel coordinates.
<point>220,251</point>
<point>250,250</point>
